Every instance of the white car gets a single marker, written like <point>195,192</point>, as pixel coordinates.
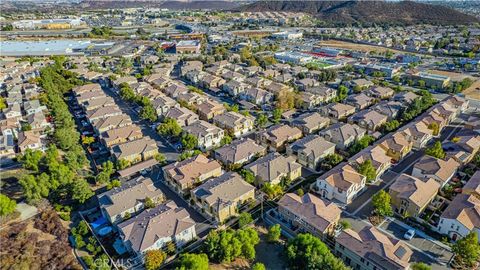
<point>409,234</point>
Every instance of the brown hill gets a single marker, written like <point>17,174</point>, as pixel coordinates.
<point>405,12</point>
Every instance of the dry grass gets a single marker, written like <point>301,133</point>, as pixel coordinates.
<point>473,91</point>
<point>355,46</point>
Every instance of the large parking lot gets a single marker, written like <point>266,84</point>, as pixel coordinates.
<point>425,249</point>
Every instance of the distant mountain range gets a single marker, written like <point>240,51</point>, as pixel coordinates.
<point>393,12</point>
<point>173,5</point>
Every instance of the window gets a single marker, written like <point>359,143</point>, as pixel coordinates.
<point>362,260</point>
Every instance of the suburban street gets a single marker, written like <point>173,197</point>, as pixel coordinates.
<point>164,147</point>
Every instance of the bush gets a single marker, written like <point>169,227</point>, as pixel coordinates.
<point>244,219</point>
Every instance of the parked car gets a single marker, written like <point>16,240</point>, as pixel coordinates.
<point>409,234</point>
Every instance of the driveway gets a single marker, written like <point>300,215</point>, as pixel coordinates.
<point>425,248</point>
<point>203,225</point>
<point>163,146</point>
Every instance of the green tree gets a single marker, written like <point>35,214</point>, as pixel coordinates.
<point>3,104</point>
<point>148,113</point>
<point>345,224</point>
<point>436,150</point>
<point>366,168</point>
<point>31,159</point>
<point>391,125</point>
<point>435,128</point>
<point>420,266</point>
<point>306,251</point>
<point>169,127</point>
<point>226,246</point>
<point>274,233</point>
<point>381,203</point>
<point>122,164</point>
<point>189,141</point>
<point>113,184</point>
<point>361,144</point>
<point>244,219</point>
<point>126,92</point>
<point>342,93</point>
<point>35,188</point>
<point>248,176</point>
<point>226,140</point>
<point>272,190</point>
<point>331,161</point>
<point>7,205</point>
<point>258,266</point>
<point>81,191</point>
<point>261,120</point>
<point>161,158</point>
<point>88,140</point>
<point>154,259</point>
<point>170,248</point>
<point>467,250</point>
<point>190,261</point>
<point>149,203</point>
<point>277,115</point>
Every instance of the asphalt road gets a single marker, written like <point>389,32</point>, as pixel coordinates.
<point>203,225</point>
<point>163,146</point>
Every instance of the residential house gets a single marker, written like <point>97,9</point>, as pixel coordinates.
<point>7,148</point>
<point>86,96</point>
<point>418,133</point>
<point>326,94</point>
<point>337,111</point>
<point>370,249</point>
<point>310,150</point>
<point>154,228</point>
<point>309,214</point>
<point>277,136</point>
<point>362,83</point>
<point>29,140</point>
<point>473,185</point>
<point>103,112</point>
<point>104,124</point>
<point>411,195</point>
<point>307,83</point>
<point>239,152</point>
<point>397,146</point>
<point>191,98</point>
<point>257,96</point>
<point>33,106</point>
<point>310,122</point>
<point>273,168</point>
<point>342,183</point>
<point>440,170</point>
<point>377,155</point>
<point>381,92</point>
<point>343,134</point>
<point>38,122</point>
<point>368,119</point>
<point>461,217</point>
<point>129,198</point>
<point>183,116</point>
<point>405,97</point>
<point>174,89</point>
<point>235,123</point>
<point>389,108</point>
<point>359,101</point>
<point>208,135</point>
<point>209,109</point>
<point>309,100</point>
<point>121,135</point>
<point>186,174</point>
<point>13,112</point>
<point>136,151</point>
<point>234,88</point>
<point>97,103</point>
<point>162,104</point>
<point>221,197</point>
